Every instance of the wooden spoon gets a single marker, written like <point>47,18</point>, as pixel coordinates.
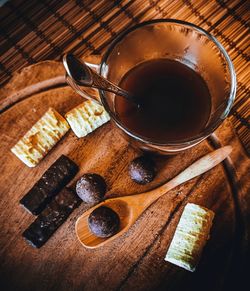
<point>129,208</point>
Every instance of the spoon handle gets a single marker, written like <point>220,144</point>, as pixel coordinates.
<point>199,167</point>
<point>103,84</point>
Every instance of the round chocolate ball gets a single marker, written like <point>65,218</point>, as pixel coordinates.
<point>142,170</point>
<point>91,188</point>
<point>103,222</point>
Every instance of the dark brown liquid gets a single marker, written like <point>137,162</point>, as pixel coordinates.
<point>175,101</point>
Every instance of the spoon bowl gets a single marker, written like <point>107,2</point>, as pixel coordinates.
<point>81,74</point>
<point>120,206</point>
<point>129,208</point>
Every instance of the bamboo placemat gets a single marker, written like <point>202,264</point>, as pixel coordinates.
<point>33,30</point>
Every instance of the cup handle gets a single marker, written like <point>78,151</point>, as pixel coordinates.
<point>86,92</point>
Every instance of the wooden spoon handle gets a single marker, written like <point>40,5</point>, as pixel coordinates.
<point>199,167</point>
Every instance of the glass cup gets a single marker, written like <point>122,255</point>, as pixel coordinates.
<point>174,40</point>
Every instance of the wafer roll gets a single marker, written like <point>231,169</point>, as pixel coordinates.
<point>190,236</point>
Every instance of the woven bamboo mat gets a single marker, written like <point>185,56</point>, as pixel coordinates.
<point>33,30</point>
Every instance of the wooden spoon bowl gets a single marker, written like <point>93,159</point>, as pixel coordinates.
<point>129,208</point>
<point>120,206</point>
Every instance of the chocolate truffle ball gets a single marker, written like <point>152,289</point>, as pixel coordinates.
<point>142,170</point>
<point>91,188</point>
<point>104,222</point>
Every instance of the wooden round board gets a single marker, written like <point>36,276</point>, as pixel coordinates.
<point>134,261</point>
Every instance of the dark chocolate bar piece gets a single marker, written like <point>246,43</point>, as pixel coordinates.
<point>51,182</point>
<point>47,222</point>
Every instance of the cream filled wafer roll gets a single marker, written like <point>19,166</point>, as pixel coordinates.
<point>43,135</point>
<point>86,117</point>
<point>190,236</point>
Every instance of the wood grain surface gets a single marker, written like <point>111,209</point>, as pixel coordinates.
<point>135,261</point>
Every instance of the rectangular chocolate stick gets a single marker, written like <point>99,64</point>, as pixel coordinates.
<point>51,217</point>
<point>51,182</point>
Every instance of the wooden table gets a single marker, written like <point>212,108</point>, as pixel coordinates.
<point>136,260</point>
